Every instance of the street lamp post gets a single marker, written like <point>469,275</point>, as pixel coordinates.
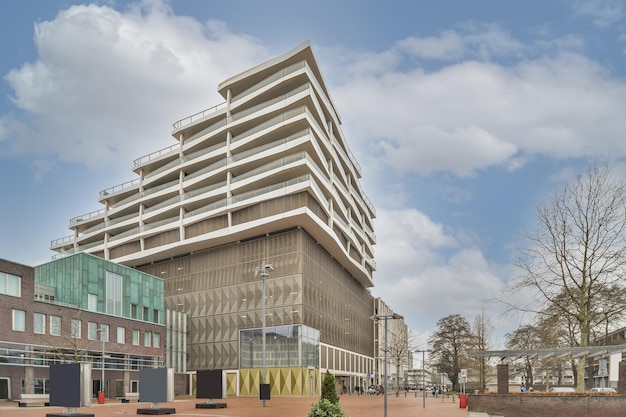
<point>377,317</point>
<point>263,270</point>
<point>423,377</point>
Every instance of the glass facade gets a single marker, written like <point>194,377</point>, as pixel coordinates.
<point>114,293</point>
<point>285,346</point>
<point>90,283</point>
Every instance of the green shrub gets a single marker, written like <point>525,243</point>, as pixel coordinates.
<point>329,392</point>
<point>325,408</point>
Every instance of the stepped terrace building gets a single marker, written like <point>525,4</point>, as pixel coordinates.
<point>264,178</point>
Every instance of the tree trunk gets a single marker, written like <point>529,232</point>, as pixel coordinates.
<point>580,370</point>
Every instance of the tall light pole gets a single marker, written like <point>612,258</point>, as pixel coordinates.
<point>377,317</point>
<point>423,377</point>
<point>263,270</point>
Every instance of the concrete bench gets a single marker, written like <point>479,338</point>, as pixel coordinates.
<point>130,396</point>
<point>26,399</point>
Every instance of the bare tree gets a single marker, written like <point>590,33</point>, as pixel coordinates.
<point>399,348</point>
<point>449,345</point>
<point>578,251</point>
<point>72,349</point>
<point>526,337</point>
<point>554,330</point>
<point>482,333</point>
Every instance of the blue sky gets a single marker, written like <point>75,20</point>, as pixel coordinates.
<point>464,115</point>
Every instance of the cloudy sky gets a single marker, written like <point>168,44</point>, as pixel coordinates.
<point>464,115</point>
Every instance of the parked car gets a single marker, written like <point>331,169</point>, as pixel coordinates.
<point>562,389</point>
<point>604,389</point>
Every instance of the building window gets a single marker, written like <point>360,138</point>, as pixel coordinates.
<point>156,340</point>
<point>10,284</point>
<point>39,323</point>
<point>155,316</point>
<point>92,330</point>
<point>114,293</point>
<point>45,293</point>
<point>92,302</point>
<point>134,386</point>
<point>146,314</point>
<point>55,325</point>
<point>42,386</point>
<point>104,332</point>
<point>19,320</point>
<point>76,325</point>
<point>147,336</point>
<point>136,337</point>
<point>134,311</point>
<point>121,335</point>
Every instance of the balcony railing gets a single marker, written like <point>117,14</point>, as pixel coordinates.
<point>85,217</point>
<point>266,104</point>
<point>62,241</point>
<point>120,187</point>
<point>272,78</point>
<point>241,155</point>
<point>264,190</point>
<point>197,116</point>
<point>273,122</point>
<point>154,155</point>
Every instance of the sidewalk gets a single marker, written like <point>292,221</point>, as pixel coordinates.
<point>353,405</point>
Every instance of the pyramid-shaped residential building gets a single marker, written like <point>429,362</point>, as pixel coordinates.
<point>264,178</point>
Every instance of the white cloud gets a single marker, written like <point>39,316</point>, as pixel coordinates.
<point>474,41</point>
<point>603,12</point>
<point>108,85</point>
<point>449,45</point>
<point>472,115</point>
<point>425,284</point>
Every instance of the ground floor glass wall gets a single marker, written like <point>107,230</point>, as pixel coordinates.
<point>285,346</point>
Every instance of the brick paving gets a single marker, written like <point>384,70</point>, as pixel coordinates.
<point>353,405</point>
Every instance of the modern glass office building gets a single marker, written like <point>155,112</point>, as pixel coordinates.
<point>265,177</point>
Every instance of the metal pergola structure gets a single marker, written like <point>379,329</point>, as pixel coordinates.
<point>545,353</point>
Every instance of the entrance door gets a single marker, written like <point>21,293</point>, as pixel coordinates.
<point>4,388</point>
<point>119,388</point>
<point>95,388</point>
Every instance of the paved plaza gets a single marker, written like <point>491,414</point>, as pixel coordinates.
<point>353,405</point>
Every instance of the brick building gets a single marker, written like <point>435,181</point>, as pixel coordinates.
<point>78,309</point>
